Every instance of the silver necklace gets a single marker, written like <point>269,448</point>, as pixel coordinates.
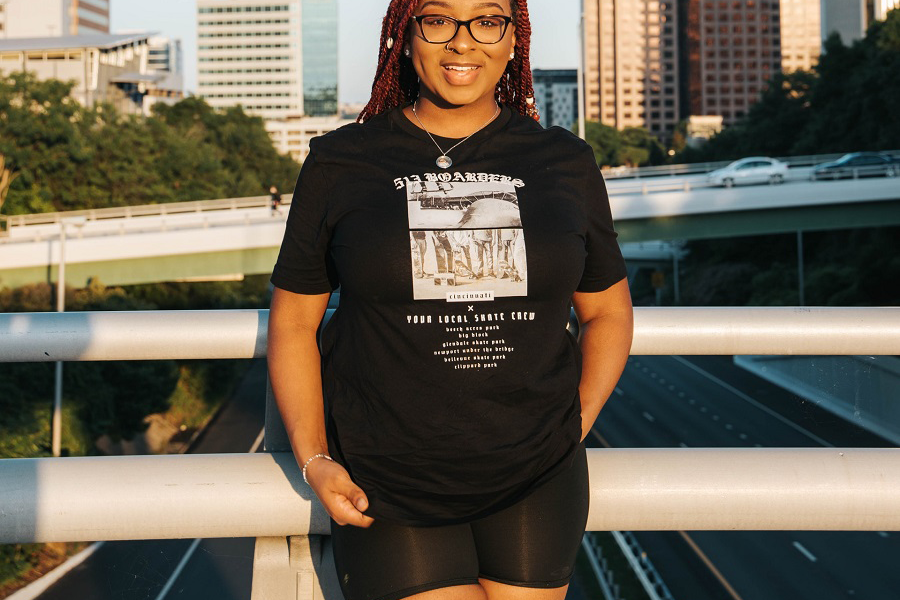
<point>444,161</point>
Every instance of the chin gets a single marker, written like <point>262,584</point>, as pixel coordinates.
<point>460,97</point>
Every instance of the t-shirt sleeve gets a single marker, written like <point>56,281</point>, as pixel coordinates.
<point>603,265</point>
<point>303,264</point>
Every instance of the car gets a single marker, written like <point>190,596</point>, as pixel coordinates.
<point>754,169</point>
<point>858,164</point>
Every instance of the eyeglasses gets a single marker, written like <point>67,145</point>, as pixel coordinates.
<point>487,29</point>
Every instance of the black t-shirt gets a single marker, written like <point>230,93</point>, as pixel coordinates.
<point>450,379</point>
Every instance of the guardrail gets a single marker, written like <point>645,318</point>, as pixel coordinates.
<point>263,495</point>
<point>143,210</point>
<point>695,168</point>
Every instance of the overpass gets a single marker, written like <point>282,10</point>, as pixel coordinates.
<point>227,239</point>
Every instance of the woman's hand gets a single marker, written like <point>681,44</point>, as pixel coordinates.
<point>343,500</point>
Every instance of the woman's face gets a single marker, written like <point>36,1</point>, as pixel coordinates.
<point>462,71</point>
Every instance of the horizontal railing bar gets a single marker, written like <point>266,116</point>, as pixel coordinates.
<point>155,335</point>
<point>259,495</point>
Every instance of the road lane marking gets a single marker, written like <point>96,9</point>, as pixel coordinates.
<point>805,552</point>
<point>178,569</point>
<point>259,441</point>
<point>755,403</point>
<point>648,416</point>
<point>190,551</point>
<point>710,566</point>
<point>600,438</point>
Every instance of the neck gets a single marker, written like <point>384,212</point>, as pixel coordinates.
<point>453,121</point>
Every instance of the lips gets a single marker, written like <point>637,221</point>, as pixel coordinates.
<point>460,74</point>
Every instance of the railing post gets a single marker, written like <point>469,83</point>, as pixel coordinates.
<point>299,567</point>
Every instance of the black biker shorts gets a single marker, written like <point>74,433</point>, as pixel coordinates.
<point>532,544</point>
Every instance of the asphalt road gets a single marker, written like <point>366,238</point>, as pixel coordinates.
<point>708,402</point>
<point>216,569</point>
<point>660,402</point>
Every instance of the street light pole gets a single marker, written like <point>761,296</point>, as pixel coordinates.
<point>56,425</point>
<point>581,74</point>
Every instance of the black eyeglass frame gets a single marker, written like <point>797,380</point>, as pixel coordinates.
<point>467,24</point>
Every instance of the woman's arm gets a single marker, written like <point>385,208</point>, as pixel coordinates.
<point>606,325</point>
<point>296,374</point>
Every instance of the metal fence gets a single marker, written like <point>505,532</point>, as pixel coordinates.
<point>263,495</point>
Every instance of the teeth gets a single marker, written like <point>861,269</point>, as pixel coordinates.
<point>454,68</point>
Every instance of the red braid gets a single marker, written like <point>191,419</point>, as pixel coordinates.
<point>396,83</point>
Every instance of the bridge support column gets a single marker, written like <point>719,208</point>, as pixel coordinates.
<point>295,568</point>
<point>298,567</point>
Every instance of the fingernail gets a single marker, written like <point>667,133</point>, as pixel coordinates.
<point>361,504</point>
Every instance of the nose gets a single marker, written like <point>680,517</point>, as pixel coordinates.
<point>461,42</point>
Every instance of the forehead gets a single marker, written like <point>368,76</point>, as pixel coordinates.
<point>452,7</point>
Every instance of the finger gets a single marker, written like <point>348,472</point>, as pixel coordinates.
<point>347,513</point>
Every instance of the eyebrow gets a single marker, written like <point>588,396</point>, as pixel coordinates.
<point>440,4</point>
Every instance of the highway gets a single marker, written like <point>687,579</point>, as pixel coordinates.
<point>660,402</point>
<point>708,402</point>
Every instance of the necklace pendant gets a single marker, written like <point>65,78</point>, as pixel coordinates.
<point>444,161</point>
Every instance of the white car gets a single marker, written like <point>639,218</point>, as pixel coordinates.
<point>754,169</point>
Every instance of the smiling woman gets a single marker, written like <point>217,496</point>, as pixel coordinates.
<point>442,425</point>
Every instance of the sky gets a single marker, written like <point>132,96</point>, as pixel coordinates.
<point>553,46</point>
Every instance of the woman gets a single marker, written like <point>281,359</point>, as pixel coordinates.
<point>451,455</point>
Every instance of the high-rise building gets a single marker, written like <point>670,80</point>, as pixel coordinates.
<point>733,49</point>
<point>653,63</point>
<point>851,18</point>
<point>631,63</point>
<point>320,57</point>
<point>556,93</point>
<point>50,18</point>
<point>801,34</point>
<point>165,55</point>
<point>276,59</point>
<point>249,54</point>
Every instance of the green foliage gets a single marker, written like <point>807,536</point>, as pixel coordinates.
<point>848,103</point>
<point>633,146</point>
<point>859,267</point>
<point>16,559</point>
<point>114,398</point>
<point>57,155</point>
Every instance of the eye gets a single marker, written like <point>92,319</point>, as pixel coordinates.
<point>488,23</point>
<point>435,21</point>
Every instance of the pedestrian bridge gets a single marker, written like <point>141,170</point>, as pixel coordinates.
<point>263,495</point>
<point>227,239</point>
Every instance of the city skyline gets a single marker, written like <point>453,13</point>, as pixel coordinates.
<point>358,32</point>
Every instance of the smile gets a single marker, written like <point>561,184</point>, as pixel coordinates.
<point>461,69</point>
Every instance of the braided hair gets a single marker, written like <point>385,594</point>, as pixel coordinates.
<point>396,83</point>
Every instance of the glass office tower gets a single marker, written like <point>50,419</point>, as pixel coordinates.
<point>319,20</point>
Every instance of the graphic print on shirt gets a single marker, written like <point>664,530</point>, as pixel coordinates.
<point>466,241</point>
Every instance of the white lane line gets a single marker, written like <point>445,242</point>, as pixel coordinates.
<point>619,391</point>
<point>648,416</point>
<point>190,551</point>
<point>259,441</point>
<point>178,569</point>
<point>805,552</point>
<point>747,398</point>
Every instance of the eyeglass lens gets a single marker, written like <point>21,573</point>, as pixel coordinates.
<point>486,30</point>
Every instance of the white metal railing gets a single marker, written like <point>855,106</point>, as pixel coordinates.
<point>698,168</point>
<point>143,210</point>
<point>263,495</point>
<point>152,335</point>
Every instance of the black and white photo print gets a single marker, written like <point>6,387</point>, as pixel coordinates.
<point>466,241</point>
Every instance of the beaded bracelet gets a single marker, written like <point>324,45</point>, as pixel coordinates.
<point>312,458</point>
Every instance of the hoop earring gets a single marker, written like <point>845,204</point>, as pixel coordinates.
<point>447,47</point>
